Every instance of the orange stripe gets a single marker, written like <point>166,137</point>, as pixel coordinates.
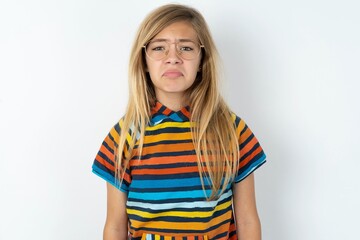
<point>222,228</point>
<point>165,160</point>
<point>248,146</point>
<point>165,171</point>
<point>105,163</point>
<point>179,236</point>
<point>167,112</point>
<point>245,135</point>
<point>109,142</point>
<point>185,112</point>
<point>168,148</point>
<point>250,157</point>
<point>107,153</point>
<point>231,229</point>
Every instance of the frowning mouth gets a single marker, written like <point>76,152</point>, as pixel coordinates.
<point>172,74</point>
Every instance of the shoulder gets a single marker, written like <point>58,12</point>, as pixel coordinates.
<point>115,131</point>
<point>239,123</point>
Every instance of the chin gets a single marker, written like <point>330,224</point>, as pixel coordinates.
<point>174,90</point>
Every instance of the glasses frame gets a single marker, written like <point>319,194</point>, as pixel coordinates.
<point>177,52</point>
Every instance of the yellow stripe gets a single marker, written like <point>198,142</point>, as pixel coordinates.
<point>115,135</point>
<point>169,124</point>
<point>159,137</point>
<point>182,225</point>
<point>167,136</point>
<point>128,137</point>
<point>233,117</point>
<point>179,213</point>
<point>240,127</point>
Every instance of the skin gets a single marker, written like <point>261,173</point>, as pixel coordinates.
<point>116,225</point>
<point>171,77</point>
<point>247,220</point>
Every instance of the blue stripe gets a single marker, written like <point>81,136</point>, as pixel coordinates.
<point>157,119</point>
<point>178,219</point>
<point>186,195</point>
<point>109,178</point>
<point>168,183</point>
<point>176,118</point>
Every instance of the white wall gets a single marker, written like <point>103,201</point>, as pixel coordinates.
<point>292,72</point>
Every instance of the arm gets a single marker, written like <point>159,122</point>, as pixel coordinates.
<point>116,225</point>
<point>246,216</point>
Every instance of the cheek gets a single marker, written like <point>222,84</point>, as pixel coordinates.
<point>194,69</point>
<point>152,70</point>
<point>150,65</point>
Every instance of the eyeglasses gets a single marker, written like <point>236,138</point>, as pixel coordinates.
<point>159,49</point>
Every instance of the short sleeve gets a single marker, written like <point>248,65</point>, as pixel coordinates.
<point>104,163</point>
<point>252,155</point>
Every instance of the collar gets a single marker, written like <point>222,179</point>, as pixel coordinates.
<point>160,113</point>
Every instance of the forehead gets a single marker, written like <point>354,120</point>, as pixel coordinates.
<point>177,31</point>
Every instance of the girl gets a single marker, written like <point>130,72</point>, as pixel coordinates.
<point>179,164</point>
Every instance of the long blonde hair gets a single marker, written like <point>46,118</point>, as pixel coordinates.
<point>214,135</point>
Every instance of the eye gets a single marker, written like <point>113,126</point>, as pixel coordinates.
<point>186,49</point>
<point>158,48</point>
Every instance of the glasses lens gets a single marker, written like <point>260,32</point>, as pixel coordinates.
<point>158,50</point>
<point>188,50</point>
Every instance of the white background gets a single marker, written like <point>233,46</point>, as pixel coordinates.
<point>291,70</point>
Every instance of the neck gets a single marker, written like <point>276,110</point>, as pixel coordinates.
<point>172,102</point>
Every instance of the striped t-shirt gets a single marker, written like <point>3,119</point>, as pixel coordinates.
<point>165,195</point>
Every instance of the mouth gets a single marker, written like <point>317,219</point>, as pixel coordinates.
<point>172,74</point>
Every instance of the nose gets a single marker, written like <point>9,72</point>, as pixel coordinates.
<point>172,56</point>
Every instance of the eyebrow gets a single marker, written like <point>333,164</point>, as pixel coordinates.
<point>178,40</point>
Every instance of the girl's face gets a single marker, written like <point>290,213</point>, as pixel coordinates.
<point>174,73</point>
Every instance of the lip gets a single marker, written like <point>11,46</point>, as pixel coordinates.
<point>172,74</point>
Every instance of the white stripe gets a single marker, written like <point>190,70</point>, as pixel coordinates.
<point>167,206</point>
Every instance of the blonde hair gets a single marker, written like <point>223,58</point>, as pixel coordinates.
<point>214,135</point>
